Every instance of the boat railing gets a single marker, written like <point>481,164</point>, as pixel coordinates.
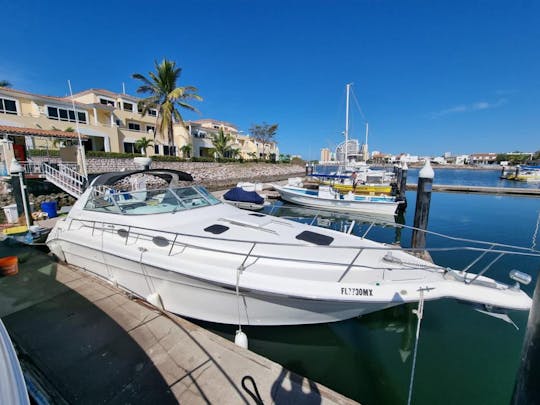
<point>162,238</point>
<point>482,247</point>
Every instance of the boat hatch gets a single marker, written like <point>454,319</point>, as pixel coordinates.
<point>216,229</point>
<point>314,237</point>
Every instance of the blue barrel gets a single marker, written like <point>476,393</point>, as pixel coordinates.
<point>50,208</point>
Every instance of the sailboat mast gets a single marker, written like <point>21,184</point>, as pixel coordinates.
<point>347,125</point>
<point>366,148</point>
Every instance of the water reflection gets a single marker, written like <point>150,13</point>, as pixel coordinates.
<point>369,358</point>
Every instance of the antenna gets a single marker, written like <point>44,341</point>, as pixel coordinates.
<point>81,149</point>
<point>123,88</point>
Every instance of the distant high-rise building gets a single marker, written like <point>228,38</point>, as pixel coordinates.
<point>325,155</point>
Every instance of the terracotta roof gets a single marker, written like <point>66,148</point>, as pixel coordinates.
<point>7,130</point>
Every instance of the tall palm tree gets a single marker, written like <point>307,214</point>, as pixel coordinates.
<point>166,97</point>
<point>221,142</point>
<point>5,83</point>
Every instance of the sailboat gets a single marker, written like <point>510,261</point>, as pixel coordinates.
<point>365,179</point>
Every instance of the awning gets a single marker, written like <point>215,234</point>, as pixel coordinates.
<point>9,130</point>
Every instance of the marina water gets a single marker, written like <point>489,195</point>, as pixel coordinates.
<point>464,356</point>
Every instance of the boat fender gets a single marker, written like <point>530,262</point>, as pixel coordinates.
<point>155,300</point>
<point>240,339</point>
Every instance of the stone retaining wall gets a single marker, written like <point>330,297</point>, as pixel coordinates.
<point>212,175</point>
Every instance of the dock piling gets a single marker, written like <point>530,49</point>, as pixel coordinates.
<point>403,181</point>
<point>19,191</point>
<point>526,385</point>
<point>423,200</point>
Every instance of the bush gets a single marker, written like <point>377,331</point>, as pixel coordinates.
<point>44,152</point>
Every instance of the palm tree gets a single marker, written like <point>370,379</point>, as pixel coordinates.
<point>221,142</point>
<point>143,144</point>
<point>186,150</point>
<point>166,97</point>
<point>5,83</point>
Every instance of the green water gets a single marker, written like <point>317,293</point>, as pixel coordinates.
<point>464,357</point>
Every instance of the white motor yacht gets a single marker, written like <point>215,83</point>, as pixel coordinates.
<point>184,250</point>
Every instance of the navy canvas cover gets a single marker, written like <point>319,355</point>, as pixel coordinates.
<point>239,194</point>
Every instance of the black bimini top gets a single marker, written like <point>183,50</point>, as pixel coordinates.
<point>169,175</point>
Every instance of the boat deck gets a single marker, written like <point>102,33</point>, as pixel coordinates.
<point>88,342</point>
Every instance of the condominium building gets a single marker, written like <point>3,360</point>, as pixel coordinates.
<point>109,122</point>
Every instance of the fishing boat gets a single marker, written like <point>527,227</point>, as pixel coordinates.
<point>325,197</point>
<point>344,183</point>
<point>528,174</point>
<point>182,249</point>
<point>521,173</point>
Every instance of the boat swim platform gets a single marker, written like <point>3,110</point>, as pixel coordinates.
<point>85,341</point>
<point>517,191</point>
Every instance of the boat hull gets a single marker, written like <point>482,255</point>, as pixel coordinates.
<point>204,300</point>
<point>379,208</point>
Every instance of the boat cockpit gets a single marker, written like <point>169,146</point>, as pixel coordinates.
<point>104,197</point>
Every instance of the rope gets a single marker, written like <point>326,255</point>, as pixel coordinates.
<point>535,234</point>
<point>419,313</point>
<point>254,395</point>
<point>238,270</point>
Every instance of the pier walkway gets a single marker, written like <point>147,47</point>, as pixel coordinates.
<point>87,342</point>
<point>482,190</point>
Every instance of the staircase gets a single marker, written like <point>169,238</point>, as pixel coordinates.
<point>69,180</point>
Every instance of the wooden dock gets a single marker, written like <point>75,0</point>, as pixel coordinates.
<point>84,341</point>
<point>518,191</point>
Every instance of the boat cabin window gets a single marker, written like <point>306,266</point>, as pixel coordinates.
<point>143,202</point>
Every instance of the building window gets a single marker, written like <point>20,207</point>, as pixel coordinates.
<point>151,127</point>
<point>133,126</point>
<point>64,114</point>
<point>129,147</point>
<point>156,149</point>
<point>151,112</point>
<point>106,101</point>
<point>169,150</point>
<point>128,107</point>
<point>8,106</point>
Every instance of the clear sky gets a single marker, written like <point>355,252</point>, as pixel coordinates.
<point>429,76</point>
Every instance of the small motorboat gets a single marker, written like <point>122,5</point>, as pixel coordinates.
<point>325,197</point>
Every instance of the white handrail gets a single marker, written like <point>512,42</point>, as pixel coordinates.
<point>66,178</point>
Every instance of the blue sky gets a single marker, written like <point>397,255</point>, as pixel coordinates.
<point>430,77</point>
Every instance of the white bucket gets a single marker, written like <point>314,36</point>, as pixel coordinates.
<point>11,213</point>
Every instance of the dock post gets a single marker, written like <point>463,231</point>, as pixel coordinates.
<point>526,385</point>
<point>399,174</point>
<point>403,182</point>
<point>423,200</point>
<point>19,191</point>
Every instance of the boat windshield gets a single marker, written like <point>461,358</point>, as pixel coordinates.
<point>143,202</point>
